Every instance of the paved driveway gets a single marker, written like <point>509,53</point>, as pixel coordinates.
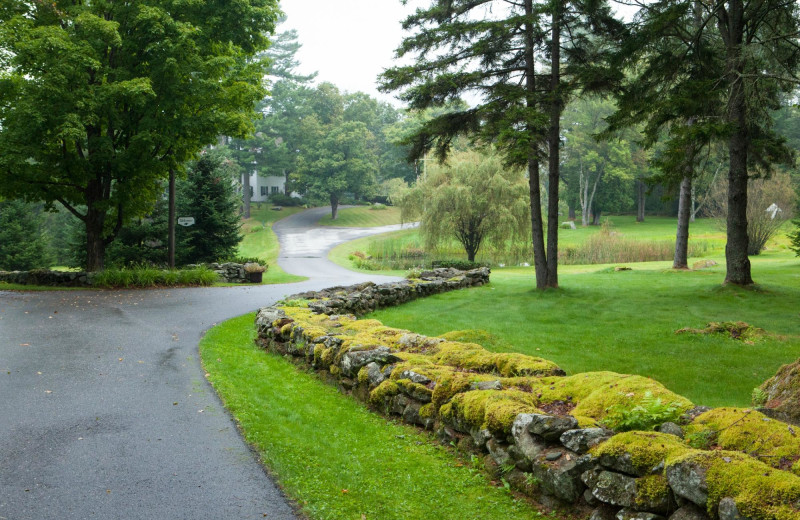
<point>104,409</point>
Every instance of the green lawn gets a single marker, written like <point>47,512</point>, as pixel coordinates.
<point>259,241</point>
<point>626,322</point>
<point>363,216</point>
<point>334,457</point>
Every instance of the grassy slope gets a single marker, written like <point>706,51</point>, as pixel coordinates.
<point>626,322</point>
<point>363,216</point>
<point>333,456</point>
<point>260,241</point>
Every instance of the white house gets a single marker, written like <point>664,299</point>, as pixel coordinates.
<point>264,186</point>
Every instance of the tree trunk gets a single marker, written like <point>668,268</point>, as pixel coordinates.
<point>596,217</point>
<point>537,227</point>
<point>246,195</point>
<point>640,200</point>
<point>682,236</point>
<point>95,244</point>
<point>171,221</point>
<point>553,145</point>
<point>737,261</point>
<point>571,211</point>
<point>334,206</point>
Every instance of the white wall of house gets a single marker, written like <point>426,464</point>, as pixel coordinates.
<point>264,186</point>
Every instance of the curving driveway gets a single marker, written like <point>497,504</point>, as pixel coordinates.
<point>104,409</point>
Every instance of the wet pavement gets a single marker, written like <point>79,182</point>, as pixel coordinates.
<point>104,408</point>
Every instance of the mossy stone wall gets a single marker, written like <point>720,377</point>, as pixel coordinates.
<point>545,433</point>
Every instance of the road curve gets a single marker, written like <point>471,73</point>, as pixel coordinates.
<point>104,408</point>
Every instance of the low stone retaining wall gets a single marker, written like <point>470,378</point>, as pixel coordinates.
<point>49,278</point>
<point>545,433</point>
<point>228,272</point>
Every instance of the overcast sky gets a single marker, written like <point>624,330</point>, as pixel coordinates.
<point>349,42</point>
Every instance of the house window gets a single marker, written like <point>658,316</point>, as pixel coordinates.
<point>263,191</point>
<point>274,189</point>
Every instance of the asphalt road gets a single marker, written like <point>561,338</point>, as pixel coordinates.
<point>104,408</point>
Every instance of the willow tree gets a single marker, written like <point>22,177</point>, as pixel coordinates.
<point>490,50</point>
<point>100,100</point>
<point>473,198</point>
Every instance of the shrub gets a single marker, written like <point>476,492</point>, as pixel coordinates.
<point>794,237</point>
<point>281,199</point>
<point>151,277</point>
<point>463,265</point>
<point>377,207</point>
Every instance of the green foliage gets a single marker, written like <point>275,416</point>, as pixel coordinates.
<point>758,397</point>
<point>208,195</point>
<point>473,199</point>
<point>606,248</point>
<point>23,245</point>
<point>794,237</point>
<point>458,264</point>
<point>337,155</point>
<point>144,276</point>
<point>99,100</point>
<point>647,414</point>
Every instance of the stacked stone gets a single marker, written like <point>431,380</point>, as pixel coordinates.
<point>229,272</point>
<point>605,475</point>
<point>47,277</point>
<point>364,298</point>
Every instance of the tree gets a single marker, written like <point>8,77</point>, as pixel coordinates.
<point>473,198</point>
<point>599,173</point>
<point>491,48</point>
<point>99,100</point>
<point>22,244</point>
<point>208,195</point>
<point>336,156</point>
<point>719,70</point>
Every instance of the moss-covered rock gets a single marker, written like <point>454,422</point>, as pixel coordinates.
<point>494,410</point>
<point>748,431</point>
<point>782,392</point>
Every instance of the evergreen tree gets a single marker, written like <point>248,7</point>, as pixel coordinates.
<point>23,246</point>
<point>491,49</point>
<point>713,71</point>
<point>209,196</point>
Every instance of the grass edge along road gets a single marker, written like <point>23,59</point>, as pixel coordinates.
<point>333,456</point>
<point>260,241</point>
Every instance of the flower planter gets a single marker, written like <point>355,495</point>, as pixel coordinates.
<point>255,277</point>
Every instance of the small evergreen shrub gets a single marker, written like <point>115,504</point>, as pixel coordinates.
<point>463,265</point>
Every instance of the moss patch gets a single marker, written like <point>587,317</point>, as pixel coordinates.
<point>494,410</point>
<point>647,449</point>
<point>733,329</point>
<point>740,429</point>
<point>782,391</point>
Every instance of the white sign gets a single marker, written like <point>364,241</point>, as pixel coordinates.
<point>185,221</point>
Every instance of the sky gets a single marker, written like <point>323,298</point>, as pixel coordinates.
<point>349,42</point>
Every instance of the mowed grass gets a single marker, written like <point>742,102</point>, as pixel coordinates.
<point>259,241</point>
<point>626,321</point>
<point>334,457</point>
<point>363,216</point>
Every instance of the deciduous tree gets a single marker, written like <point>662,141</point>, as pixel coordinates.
<point>99,100</point>
<point>473,198</point>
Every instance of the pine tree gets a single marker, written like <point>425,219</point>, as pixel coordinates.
<point>22,243</point>
<point>209,196</point>
<point>491,50</point>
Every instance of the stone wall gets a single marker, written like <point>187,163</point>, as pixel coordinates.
<point>545,433</point>
<point>228,272</point>
<point>48,278</point>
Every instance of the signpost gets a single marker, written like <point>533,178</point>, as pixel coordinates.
<point>185,221</point>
